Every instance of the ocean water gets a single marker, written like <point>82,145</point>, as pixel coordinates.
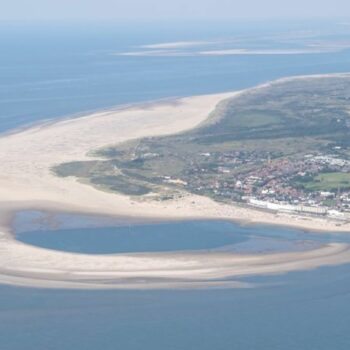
<point>59,69</point>
<point>308,310</point>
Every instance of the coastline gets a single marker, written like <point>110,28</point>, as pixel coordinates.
<point>26,182</point>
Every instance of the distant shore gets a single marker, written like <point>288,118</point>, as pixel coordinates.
<point>26,182</point>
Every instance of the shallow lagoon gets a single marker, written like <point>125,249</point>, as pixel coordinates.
<point>100,235</point>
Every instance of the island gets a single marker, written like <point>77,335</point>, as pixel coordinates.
<point>275,154</point>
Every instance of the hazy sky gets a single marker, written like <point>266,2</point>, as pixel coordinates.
<point>163,9</point>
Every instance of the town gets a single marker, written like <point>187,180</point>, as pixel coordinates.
<point>312,183</point>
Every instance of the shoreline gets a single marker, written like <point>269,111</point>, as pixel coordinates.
<point>26,182</point>
<point>119,220</point>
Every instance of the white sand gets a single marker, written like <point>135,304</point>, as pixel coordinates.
<point>27,182</point>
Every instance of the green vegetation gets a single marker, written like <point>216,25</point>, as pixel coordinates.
<point>245,136</point>
<point>327,182</point>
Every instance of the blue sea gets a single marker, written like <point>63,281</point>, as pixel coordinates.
<point>55,70</point>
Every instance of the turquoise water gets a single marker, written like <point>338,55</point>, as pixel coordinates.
<point>52,70</point>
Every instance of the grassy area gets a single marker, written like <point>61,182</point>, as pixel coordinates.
<point>121,184</point>
<point>328,182</point>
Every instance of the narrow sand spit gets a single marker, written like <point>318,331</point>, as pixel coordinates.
<point>26,181</point>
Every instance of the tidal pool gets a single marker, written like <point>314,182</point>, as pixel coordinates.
<point>100,235</point>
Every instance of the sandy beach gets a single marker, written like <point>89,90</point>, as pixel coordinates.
<point>26,182</point>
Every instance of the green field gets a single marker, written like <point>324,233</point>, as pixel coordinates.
<point>328,182</point>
